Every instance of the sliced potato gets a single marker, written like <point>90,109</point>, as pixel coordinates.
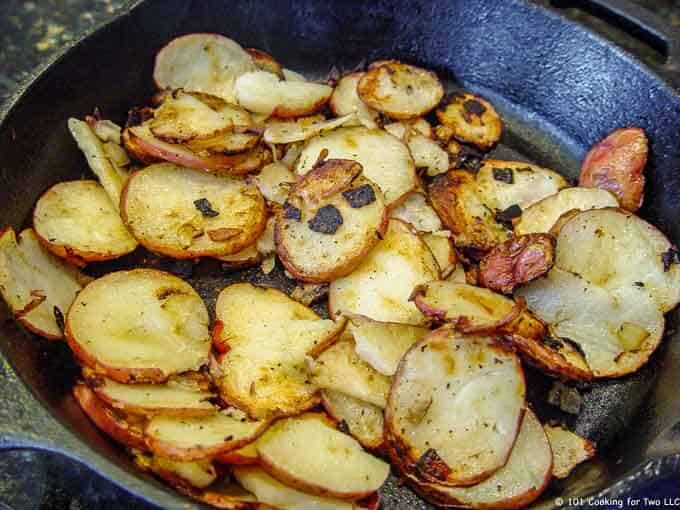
<point>225,495</point>
<point>274,182</point>
<point>38,287</point>
<point>455,408</point>
<point>569,450</point>
<point>333,217</point>
<point>244,456</point>
<point>263,92</point>
<point>182,395</point>
<point>471,119</point>
<point>362,420</point>
<point>185,213</point>
<point>77,221</point>
<point>308,453</point>
<point>372,289</point>
<point>265,62</point>
<point>416,211</point>
<point>266,337</point>
<point>141,325</point>
<point>290,75</point>
<point>107,420</point>
<point>345,100</point>
<point>400,90</point>
<point>208,63</point>
<point>522,480</point>
<point>308,293</point>
<point>428,154</point>
<point>247,257</point>
<point>339,368</point>
<point>541,216</point>
<point>192,438</point>
<point>441,246</point>
<point>296,131</point>
<point>198,474</point>
<point>382,344</point>
<point>385,159</point>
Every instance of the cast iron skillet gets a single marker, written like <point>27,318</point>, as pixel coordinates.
<point>559,88</point>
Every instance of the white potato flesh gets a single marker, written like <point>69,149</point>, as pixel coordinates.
<point>267,337</point>
<point>364,421</point>
<point>383,344</point>
<point>77,219</point>
<point>541,216</point>
<point>345,100</point>
<point>208,63</point>
<point>372,290</point>
<point>35,284</point>
<point>192,438</point>
<point>309,453</point>
<point>456,400</point>
<point>270,491</point>
<point>290,75</point>
<point>198,474</point>
<point>274,182</point>
<point>385,159</point>
<point>339,368</point>
<point>428,154</point>
<point>569,450</point>
<point>263,92</point>
<point>160,207</point>
<point>97,159</point>
<point>139,325</point>
<point>418,212</point>
<point>441,245</point>
<point>619,252</point>
<point>280,131</point>
<point>523,478</point>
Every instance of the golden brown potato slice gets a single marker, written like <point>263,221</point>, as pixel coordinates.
<point>345,100</point>
<point>263,92</point>
<point>385,159</point>
<point>193,438</point>
<point>37,286</point>
<point>245,456</point>
<point>541,216</point>
<point>190,474</point>
<point>418,212</point>
<point>362,420</point>
<point>185,213</point>
<point>372,290</point>
<point>339,368</point>
<point>521,481</point>
<point>455,408</point>
<point>441,245</point>
<point>141,325</point>
<point>266,337</point>
<point>332,218</point>
<point>569,450</point>
<point>298,130</point>
<point>400,90</point>
<point>208,63</point>
<point>77,221</point>
<point>274,182</point>
<point>308,453</point>
<point>471,119</point>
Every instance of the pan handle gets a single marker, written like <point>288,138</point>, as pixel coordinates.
<point>641,22</point>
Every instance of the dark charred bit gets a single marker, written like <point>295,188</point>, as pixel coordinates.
<point>59,317</point>
<point>327,220</point>
<point>574,345</point>
<point>431,465</point>
<point>290,212</point>
<point>504,174</point>
<point>670,257</point>
<point>343,427</point>
<point>471,163</point>
<point>205,208</point>
<point>138,115</point>
<point>506,216</point>
<point>359,197</point>
<point>474,107</point>
<point>553,343</point>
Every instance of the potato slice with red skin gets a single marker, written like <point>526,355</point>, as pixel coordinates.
<point>455,408</point>
<point>471,119</point>
<point>616,164</point>
<point>107,420</point>
<point>141,325</point>
<point>569,450</point>
<point>308,453</point>
<point>400,90</point>
<point>517,261</point>
<point>519,482</point>
<point>362,420</point>
<point>197,474</point>
<point>346,100</point>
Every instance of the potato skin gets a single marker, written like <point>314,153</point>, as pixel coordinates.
<point>616,164</point>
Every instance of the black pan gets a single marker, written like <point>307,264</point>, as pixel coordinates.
<point>559,88</point>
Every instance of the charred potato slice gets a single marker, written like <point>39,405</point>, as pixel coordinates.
<point>266,336</point>
<point>569,450</point>
<point>455,408</point>
<point>471,119</point>
<point>616,164</point>
<point>37,286</point>
<point>141,325</point>
<point>308,453</point>
<point>208,63</point>
<point>190,474</point>
<point>362,420</point>
<point>345,100</point>
<point>416,211</point>
<point>372,290</point>
<point>185,213</point>
<point>332,218</point>
<point>400,90</point>
<point>77,221</point>
<point>386,161</point>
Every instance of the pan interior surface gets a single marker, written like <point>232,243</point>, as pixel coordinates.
<point>557,88</point>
